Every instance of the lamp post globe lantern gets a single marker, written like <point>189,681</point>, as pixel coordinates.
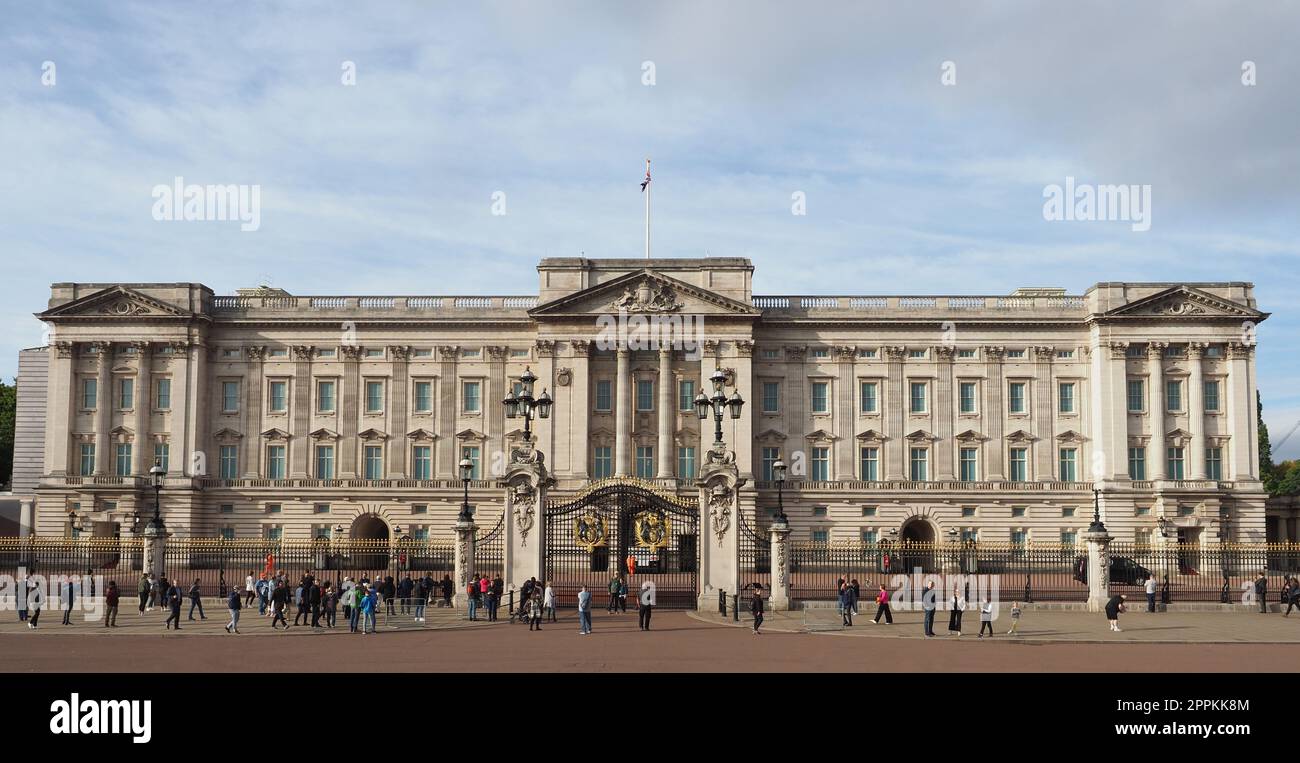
<point>778,476</point>
<point>1097,526</point>
<point>523,404</point>
<point>719,402</point>
<point>156,476</point>
<point>466,474</point>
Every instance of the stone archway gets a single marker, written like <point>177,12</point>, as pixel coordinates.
<point>918,530</point>
<point>368,527</point>
<point>368,544</point>
<point>918,536</point>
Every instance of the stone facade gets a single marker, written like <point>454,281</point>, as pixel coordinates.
<point>923,416</point>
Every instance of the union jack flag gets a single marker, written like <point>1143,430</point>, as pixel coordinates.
<point>646,182</point>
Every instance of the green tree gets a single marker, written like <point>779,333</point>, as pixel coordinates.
<point>1266,471</point>
<point>8,410</point>
<point>1287,475</point>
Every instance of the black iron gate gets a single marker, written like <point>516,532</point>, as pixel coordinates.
<point>622,528</point>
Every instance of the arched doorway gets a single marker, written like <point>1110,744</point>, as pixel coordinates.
<point>918,530</point>
<point>918,536</point>
<point>368,546</point>
<point>368,527</point>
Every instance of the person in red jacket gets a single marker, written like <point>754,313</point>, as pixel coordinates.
<point>111,596</point>
<point>882,606</point>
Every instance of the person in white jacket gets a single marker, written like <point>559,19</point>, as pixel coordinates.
<point>548,603</point>
<point>986,617</point>
<point>647,605</point>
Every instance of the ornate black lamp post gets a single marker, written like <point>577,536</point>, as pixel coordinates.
<point>525,405</point>
<point>1096,526</point>
<point>778,475</point>
<point>718,402</point>
<point>156,476</point>
<point>466,474</point>
<point>1165,527</point>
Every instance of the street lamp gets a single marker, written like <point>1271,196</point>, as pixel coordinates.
<point>717,403</point>
<point>1096,526</point>
<point>1165,527</point>
<point>525,405</point>
<point>156,475</point>
<point>778,474</point>
<point>337,533</point>
<point>466,474</point>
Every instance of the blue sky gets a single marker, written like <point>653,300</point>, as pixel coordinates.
<point>912,187</point>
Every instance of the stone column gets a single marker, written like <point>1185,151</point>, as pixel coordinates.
<point>350,396</point>
<point>526,482</point>
<point>141,453</point>
<point>155,548</point>
<point>719,486</point>
<point>466,536</point>
<point>577,412</point>
<point>1110,408</point>
<point>105,400</point>
<point>995,414</point>
<point>1042,414</point>
<point>896,403</point>
<point>1098,568</point>
<point>298,455</point>
<point>945,415</point>
<point>623,416</point>
<point>666,412</point>
<point>253,406</point>
<point>494,413</point>
<point>26,517</point>
<point>1241,414</point>
<point>742,429</point>
<point>447,466</point>
<point>1156,409</point>
<point>398,397</point>
<point>1196,409</point>
<point>780,593</point>
<point>63,391</point>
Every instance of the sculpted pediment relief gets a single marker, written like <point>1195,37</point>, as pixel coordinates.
<point>871,435</point>
<point>1184,302</point>
<point>112,303</point>
<point>421,434</point>
<point>1020,435</point>
<point>644,292</point>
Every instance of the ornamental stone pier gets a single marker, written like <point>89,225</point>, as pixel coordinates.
<point>1098,541</point>
<point>466,535</point>
<point>526,482</point>
<point>779,600</point>
<point>719,484</point>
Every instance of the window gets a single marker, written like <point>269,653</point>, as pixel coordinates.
<point>686,395</point>
<point>1175,465</point>
<point>1019,464</point>
<point>916,353</point>
<point>967,462</point>
<point>89,391</point>
<point>1214,463</point>
<point>1142,511</point>
<point>820,397</point>
<point>966,394</point>
<point>820,352</point>
<point>821,464</point>
<point>771,397</point>
<point>869,464</point>
<point>604,467</point>
<point>1068,537</point>
<point>275,462</point>
<point>1212,397</point>
<point>868,511</point>
<point>230,352</point>
<point>470,396</point>
<point>1017,511</point>
<point>819,512</point>
<point>1142,536</point>
<point>324,508</point>
<point>375,397</point>
<point>1214,351</point>
<point>324,353</point>
<point>272,533</point>
<point>1068,470</point>
<point>604,396</point>
<point>967,512</point>
<point>374,352</point>
<point>917,397</point>
<point>1173,396</point>
<point>1017,397</point>
<point>163,396</point>
<point>519,353</point>
<point>227,533</point>
<point>767,457</point>
<point>645,395</point>
<point>230,397</point>
<point>1015,353</point>
<point>1019,538</point>
<point>686,463</point>
<point>1067,511</point>
<point>325,396</point>
<point>1175,351</point>
<point>869,401</point>
<point>1136,351</point>
<point>870,537</point>
<point>1136,396</point>
<point>1186,510</point>
<point>279,352</point>
<point>87,459</point>
<point>422,462</point>
<point>124,459</point>
<point>229,462</point>
<point>126,394</point>
<point>162,455</point>
<point>419,508</point>
<point>424,396</point>
<point>866,353</point>
<point>1063,354</point>
<point>279,396</point>
<point>1065,397</point>
<point>374,462</point>
<point>1137,463</point>
<point>645,462</point>
<point>325,462</point>
<point>965,353</point>
<point>771,354</point>
<point>821,536</point>
<point>919,462</point>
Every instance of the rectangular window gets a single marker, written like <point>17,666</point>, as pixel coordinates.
<point>272,533</point>
<point>965,353</point>
<point>89,391</point>
<point>163,399</point>
<point>771,397</point>
<point>686,395</point>
<point>1212,397</point>
<point>279,396</point>
<point>1068,471</point>
<point>375,397</point>
<point>1214,463</point>
<point>1017,511</point>
<point>424,396</point>
<point>124,459</point>
<point>162,455</point>
<point>1015,353</point>
<point>470,397</point>
<point>275,462</point>
<point>1214,351</point>
<point>821,352</point>
<point>1142,511</point>
<point>645,462</point>
<point>917,397</point>
<point>821,536</point>
<point>869,464</point>
<point>1068,537</point>
<point>325,396</point>
<point>229,397</point>
<point>1065,354</point>
<point>966,393</point>
<point>868,511</point>
<point>604,467</point>
<point>1019,537</point>
<point>821,464</point>
<point>968,512</point>
<point>866,353</point>
<point>1175,465</point>
<point>1137,463</point>
<point>686,463</point>
<point>1065,397</point>
<point>87,459</point>
<point>1017,397</point>
<point>1019,464</point>
<point>325,462</point>
<point>126,394</point>
<point>1173,396</point>
<point>869,537</point>
<point>604,395</point>
<point>767,457</point>
<point>645,395</point>
<point>374,467</point>
<point>916,353</point>
<point>770,354</point>
<point>227,533</point>
<point>422,462</point>
<point>968,461</point>
<point>1136,351</point>
<point>229,456</point>
<point>419,508</point>
<point>820,397</point>
<point>1136,396</point>
<point>472,453</point>
<point>869,401</point>
<point>819,512</point>
<point>919,462</point>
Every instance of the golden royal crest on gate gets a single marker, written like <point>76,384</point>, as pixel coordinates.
<point>653,529</point>
<point>589,531</point>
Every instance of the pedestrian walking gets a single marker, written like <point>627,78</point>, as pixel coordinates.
<point>314,599</point>
<point>484,587</point>
<point>235,603</point>
<point>548,603</point>
<point>846,605</point>
<point>69,599</point>
<point>986,617</point>
<point>250,588</point>
<point>1113,608</point>
<point>346,598</point>
<point>584,611</point>
<point>535,613</point>
<point>957,607</point>
<point>35,598</point>
<point>369,604</point>
<point>1151,593</point>
<point>447,588</point>
<point>882,606</point>
<point>857,594</point>
<point>647,604</point>
<point>1261,592</point>
<point>756,607</point>
<point>1293,596</point>
<point>22,598</point>
<point>498,594</point>
<point>929,603</point>
<point>1015,617</point>
<point>196,600</point>
<point>173,599</point>
<point>614,585</point>
<point>622,595</point>
<point>143,590</point>
<point>471,597</point>
<point>279,602</point>
<point>111,597</point>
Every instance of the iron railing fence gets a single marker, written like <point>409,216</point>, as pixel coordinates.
<point>755,555</point>
<point>1222,572</point>
<point>490,550</point>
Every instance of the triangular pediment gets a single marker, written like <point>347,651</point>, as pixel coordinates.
<point>324,434</point>
<point>421,434</point>
<point>921,434</point>
<point>227,433</point>
<point>871,435</point>
<point>275,433</point>
<point>646,292</point>
<point>600,432</point>
<point>770,435</point>
<point>970,435</point>
<point>373,434</point>
<point>115,302</point>
<point>1184,302</point>
<point>1070,435</point>
<point>820,435</point>
<point>1020,435</point>
<point>470,434</point>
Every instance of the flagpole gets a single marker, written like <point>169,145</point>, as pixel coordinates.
<point>647,209</point>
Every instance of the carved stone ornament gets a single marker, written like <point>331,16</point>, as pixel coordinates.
<point>353,351</point>
<point>563,377</point>
<point>1178,307</point>
<point>646,299</point>
<point>525,453</point>
<point>720,500</point>
<point>524,501</point>
<point>780,558</point>
<point>719,455</point>
<point>303,352</point>
<point>399,351</point>
<point>125,307</point>
<point>545,348</point>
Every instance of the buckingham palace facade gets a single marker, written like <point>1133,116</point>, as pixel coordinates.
<point>988,417</point>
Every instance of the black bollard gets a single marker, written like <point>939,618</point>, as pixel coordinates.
<point>722,603</point>
<point>735,607</point>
